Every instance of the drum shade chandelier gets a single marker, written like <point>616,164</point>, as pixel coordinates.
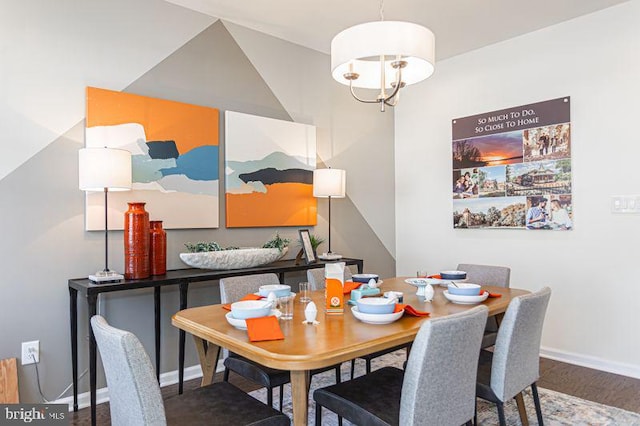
<point>383,55</point>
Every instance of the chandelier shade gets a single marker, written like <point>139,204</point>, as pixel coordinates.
<point>359,49</point>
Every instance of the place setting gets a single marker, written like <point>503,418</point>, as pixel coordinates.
<point>467,293</point>
<point>258,313</point>
<point>383,310</point>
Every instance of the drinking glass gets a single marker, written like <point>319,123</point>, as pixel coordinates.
<point>285,304</point>
<point>304,292</point>
<point>422,273</point>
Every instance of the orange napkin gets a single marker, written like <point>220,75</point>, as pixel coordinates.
<point>350,285</point>
<point>410,310</point>
<point>264,328</point>
<point>493,294</point>
<point>436,276</point>
<point>247,297</point>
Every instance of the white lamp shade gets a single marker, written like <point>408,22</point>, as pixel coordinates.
<point>101,168</point>
<point>358,50</point>
<point>329,183</point>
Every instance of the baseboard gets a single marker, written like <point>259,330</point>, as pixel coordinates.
<point>166,379</point>
<point>629,370</point>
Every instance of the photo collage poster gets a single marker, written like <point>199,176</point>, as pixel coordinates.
<point>512,168</point>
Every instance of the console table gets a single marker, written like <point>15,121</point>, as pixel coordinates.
<point>180,277</point>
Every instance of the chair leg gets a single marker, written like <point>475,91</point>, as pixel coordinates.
<point>368,361</point>
<point>270,397</point>
<point>475,412</point>
<point>318,414</point>
<point>503,420</point>
<point>225,377</point>
<point>338,378</point>
<point>536,401</point>
<point>281,396</point>
<point>353,367</point>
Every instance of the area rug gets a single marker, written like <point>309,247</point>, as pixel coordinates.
<point>557,408</point>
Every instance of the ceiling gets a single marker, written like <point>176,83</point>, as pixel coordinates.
<point>459,26</point>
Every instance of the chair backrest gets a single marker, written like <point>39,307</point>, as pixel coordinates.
<point>439,385</point>
<point>516,356</point>
<point>134,394</point>
<point>233,289</point>
<point>486,274</point>
<point>316,277</point>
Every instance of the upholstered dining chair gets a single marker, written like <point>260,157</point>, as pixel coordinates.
<point>488,275</point>
<point>135,398</point>
<point>316,281</point>
<point>231,290</point>
<point>514,363</point>
<point>437,387</point>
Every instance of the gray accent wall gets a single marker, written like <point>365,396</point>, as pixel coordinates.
<point>42,209</point>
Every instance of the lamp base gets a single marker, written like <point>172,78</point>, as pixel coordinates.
<point>106,277</point>
<point>330,256</point>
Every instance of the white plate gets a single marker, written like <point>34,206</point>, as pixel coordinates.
<point>376,318</point>
<point>466,300</point>
<point>329,256</point>
<point>240,324</point>
<point>421,282</point>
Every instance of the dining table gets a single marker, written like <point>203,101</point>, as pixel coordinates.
<point>335,339</point>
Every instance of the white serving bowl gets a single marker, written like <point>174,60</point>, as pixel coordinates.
<point>464,289</point>
<point>280,290</point>
<point>250,309</point>
<point>375,305</point>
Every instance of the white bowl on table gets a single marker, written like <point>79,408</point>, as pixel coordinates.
<point>464,289</point>
<point>376,318</point>
<point>466,300</point>
<point>250,309</point>
<point>376,305</point>
<point>280,290</point>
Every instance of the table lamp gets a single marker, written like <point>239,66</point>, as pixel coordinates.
<point>104,169</point>
<point>329,183</point>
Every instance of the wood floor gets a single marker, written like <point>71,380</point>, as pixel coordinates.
<point>593,385</point>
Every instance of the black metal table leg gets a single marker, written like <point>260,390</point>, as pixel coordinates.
<point>73,315</point>
<point>92,302</point>
<point>156,310</point>
<point>184,288</point>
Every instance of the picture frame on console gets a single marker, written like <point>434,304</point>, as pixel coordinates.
<point>307,247</point>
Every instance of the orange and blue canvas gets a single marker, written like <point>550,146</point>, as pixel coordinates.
<point>269,172</point>
<point>174,153</point>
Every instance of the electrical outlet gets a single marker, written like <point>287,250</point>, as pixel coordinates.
<point>28,349</point>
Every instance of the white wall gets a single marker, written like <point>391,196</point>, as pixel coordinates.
<point>593,270</point>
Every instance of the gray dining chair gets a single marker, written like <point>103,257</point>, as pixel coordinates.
<point>316,282</point>
<point>498,276</point>
<point>135,398</point>
<point>231,290</point>
<point>437,387</point>
<point>514,363</point>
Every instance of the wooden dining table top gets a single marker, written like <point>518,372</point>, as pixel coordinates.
<point>337,338</point>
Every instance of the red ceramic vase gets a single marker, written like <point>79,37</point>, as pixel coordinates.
<point>158,253</point>
<point>136,242</point>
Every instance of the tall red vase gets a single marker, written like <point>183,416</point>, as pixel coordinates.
<point>136,242</point>
<point>158,253</point>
